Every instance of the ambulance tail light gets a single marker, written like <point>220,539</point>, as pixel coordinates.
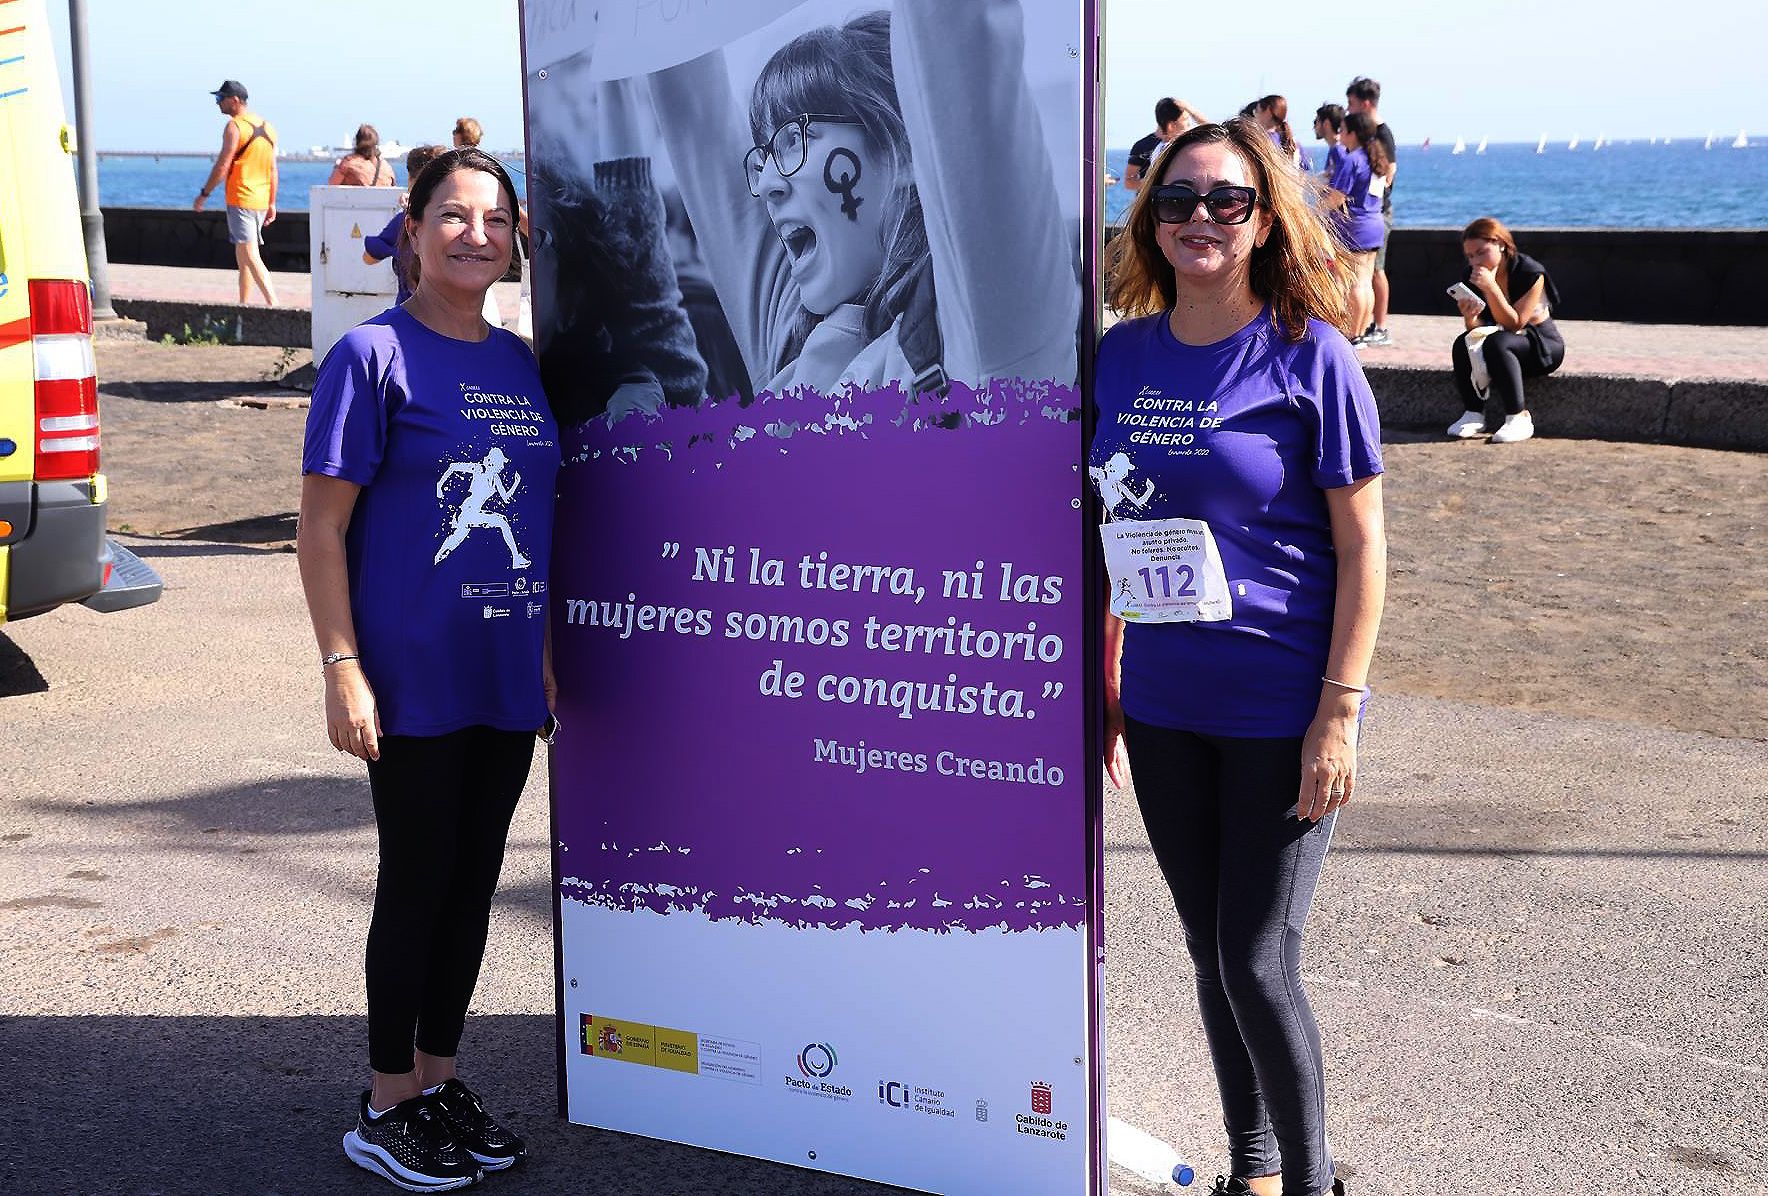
<point>67,380</point>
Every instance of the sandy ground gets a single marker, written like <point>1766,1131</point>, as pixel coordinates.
<point>1579,577</point>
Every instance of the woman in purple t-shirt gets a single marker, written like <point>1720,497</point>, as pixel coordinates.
<point>1238,453</point>
<point>1353,198</point>
<point>429,464</point>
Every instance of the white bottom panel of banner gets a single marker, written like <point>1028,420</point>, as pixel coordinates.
<point>952,1062</point>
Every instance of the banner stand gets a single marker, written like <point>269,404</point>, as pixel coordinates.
<point>826,804</point>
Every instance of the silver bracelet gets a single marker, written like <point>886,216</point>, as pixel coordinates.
<point>1356,689</point>
<point>329,661</point>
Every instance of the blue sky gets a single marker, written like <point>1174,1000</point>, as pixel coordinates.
<point>1507,69</point>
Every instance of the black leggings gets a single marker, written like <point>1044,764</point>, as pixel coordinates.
<point>1510,357</point>
<point>1243,873</point>
<point>443,805</point>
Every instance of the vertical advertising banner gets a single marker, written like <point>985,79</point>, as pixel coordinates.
<point>808,292</point>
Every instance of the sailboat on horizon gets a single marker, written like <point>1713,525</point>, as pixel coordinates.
<point>1460,146</point>
<point>1600,142</point>
<point>1541,145</point>
<point>1481,147</point>
<point>1709,144</point>
<point>1573,143</point>
<point>1742,142</point>
<point>1425,148</point>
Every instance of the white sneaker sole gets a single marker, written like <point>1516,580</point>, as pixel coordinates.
<point>494,1163</point>
<point>370,1157</point>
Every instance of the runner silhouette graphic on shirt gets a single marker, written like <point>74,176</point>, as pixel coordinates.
<point>1112,480</point>
<point>484,482</point>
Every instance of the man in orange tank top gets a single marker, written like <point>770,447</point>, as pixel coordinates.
<point>248,162</point>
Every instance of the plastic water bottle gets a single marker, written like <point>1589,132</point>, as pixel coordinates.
<point>1145,1156</point>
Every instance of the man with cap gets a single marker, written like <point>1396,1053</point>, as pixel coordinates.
<point>248,162</point>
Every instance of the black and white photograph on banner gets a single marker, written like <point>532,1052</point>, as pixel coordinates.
<point>773,196</point>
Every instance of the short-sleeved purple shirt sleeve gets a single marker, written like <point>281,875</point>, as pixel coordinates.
<point>450,539</point>
<point>1247,435</point>
<point>347,420</point>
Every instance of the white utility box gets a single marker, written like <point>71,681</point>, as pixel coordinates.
<point>346,289</point>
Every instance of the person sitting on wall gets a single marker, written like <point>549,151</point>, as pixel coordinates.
<point>1509,326</point>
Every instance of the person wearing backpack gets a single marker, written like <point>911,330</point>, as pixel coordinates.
<point>248,162</point>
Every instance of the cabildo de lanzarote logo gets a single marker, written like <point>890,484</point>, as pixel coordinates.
<point>1038,1123</point>
<point>816,1063</point>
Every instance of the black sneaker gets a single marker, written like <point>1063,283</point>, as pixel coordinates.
<point>475,1129</point>
<point>410,1146</point>
<point>1377,338</point>
<point>1229,1187</point>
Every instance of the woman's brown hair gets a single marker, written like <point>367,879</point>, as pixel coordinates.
<point>1291,271</point>
<point>469,131</point>
<point>368,142</point>
<point>1365,130</point>
<point>1490,228</point>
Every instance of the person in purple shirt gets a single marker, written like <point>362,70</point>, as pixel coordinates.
<point>378,247</point>
<point>1353,199</point>
<point>429,462</point>
<point>1238,457</point>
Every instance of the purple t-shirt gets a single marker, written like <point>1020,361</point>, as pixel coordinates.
<point>1359,221</point>
<point>1246,434</point>
<point>388,244</point>
<point>450,539</point>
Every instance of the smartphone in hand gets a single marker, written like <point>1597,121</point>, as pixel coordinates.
<point>1461,290</point>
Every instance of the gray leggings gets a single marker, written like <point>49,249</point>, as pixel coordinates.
<point>1243,873</point>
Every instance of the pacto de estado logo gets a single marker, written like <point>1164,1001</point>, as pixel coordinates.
<point>817,1060</point>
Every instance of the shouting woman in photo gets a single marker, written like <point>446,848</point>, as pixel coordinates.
<point>841,228</point>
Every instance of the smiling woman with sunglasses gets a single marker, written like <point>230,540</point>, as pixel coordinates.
<point>1238,454</point>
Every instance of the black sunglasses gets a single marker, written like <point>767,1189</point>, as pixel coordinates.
<point>1176,203</point>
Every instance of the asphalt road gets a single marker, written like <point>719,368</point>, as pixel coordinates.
<point>1538,955</point>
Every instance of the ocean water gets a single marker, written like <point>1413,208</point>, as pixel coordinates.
<point>1632,185</point>
<point>172,182</point>
<point>1635,185</point>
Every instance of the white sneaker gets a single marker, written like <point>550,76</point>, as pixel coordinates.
<point>1471,424</point>
<point>1516,427</point>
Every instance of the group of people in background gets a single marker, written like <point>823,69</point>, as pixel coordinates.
<point>247,165</point>
<point>1509,335</point>
<point>364,166</point>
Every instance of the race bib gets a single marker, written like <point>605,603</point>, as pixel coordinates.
<point>1165,571</point>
